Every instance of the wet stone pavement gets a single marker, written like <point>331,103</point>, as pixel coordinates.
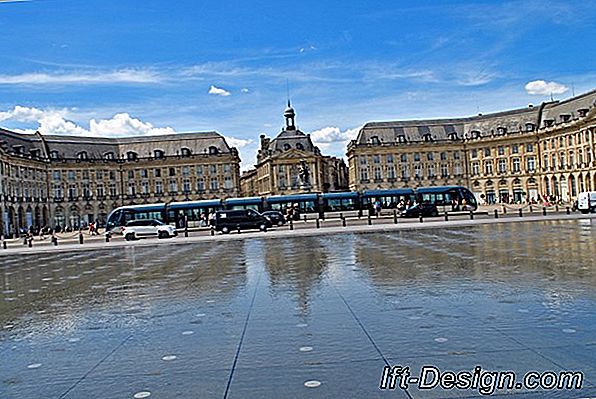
<point>315,317</point>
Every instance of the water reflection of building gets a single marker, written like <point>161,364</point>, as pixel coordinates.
<point>295,267</point>
<point>291,163</point>
<point>508,156</point>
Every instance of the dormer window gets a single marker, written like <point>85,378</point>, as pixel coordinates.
<point>132,156</point>
<point>109,155</point>
<point>453,136</point>
<point>287,147</point>
<point>530,127</point>
<point>158,154</point>
<point>299,146</point>
<point>82,156</point>
<point>582,112</point>
<point>54,155</point>
<point>427,138</point>
<point>549,122</point>
<point>18,149</point>
<point>475,134</point>
<point>185,152</point>
<point>213,150</point>
<point>34,153</point>
<point>501,131</point>
<point>565,117</point>
<point>374,140</point>
<point>402,138</point>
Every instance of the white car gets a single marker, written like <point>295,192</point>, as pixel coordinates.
<point>147,228</point>
<point>586,202</point>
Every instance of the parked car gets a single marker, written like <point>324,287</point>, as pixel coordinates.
<point>277,218</point>
<point>226,221</point>
<point>586,201</point>
<point>417,210</point>
<point>147,228</point>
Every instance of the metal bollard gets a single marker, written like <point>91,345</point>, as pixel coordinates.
<point>471,215</point>
<point>3,243</point>
<point>108,236</point>
<point>446,217</point>
<point>369,219</point>
<point>420,218</point>
<point>54,240</point>
<point>80,237</point>
<point>504,210</point>
<point>395,216</point>
<point>212,230</point>
<point>30,243</point>
<point>291,224</point>
<point>557,208</point>
<point>496,214</point>
<point>318,223</point>
<point>568,211</point>
<point>520,213</point>
<point>304,218</point>
<point>238,228</point>
<point>543,211</point>
<point>343,221</point>
<point>531,210</point>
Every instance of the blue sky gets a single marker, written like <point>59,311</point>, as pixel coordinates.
<point>119,67</point>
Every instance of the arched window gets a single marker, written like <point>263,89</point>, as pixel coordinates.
<point>132,156</point>
<point>82,156</point>
<point>401,138</point>
<point>501,130</point>
<point>185,152</point>
<point>54,155</point>
<point>299,146</point>
<point>158,154</point>
<point>475,134</point>
<point>287,147</point>
<point>375,140</point>
<point>109,155</point>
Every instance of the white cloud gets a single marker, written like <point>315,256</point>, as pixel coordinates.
<point>540,87</point>
<point>124,125</point>
<point>332,134</point>
<point>238,143</point>
<point>135,76</point>
<point>244,90</point>
<point>333,139</point>
<point>55,121</point>
<point>218,91</point>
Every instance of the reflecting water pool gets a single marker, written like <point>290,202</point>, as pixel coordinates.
<point>301,317</point>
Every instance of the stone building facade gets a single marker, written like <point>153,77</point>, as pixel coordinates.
<point>291,164</point>
<point>542,152</point>
<point>67,181</point>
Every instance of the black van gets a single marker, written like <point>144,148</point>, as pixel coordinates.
<point>226,221</point>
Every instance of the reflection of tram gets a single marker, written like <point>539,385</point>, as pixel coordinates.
<point>451,197</point>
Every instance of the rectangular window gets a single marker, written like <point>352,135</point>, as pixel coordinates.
<point>363,174</point>
<point>444,170</point>
<point>228,183</point>
<point>487,152</point>
<point>530,147</point>
<point>531,164</point>
<point>214,183</point>
<point>157,172</point>
<point>474,153</point>
<point>416,157</point>
<point>363,160</point>
<point>186,171</point>
<point>514,149</point>
<point>212,169</point>
<point>200,184</point>
<point>158,187</point>
<point>144,173</point>
<point>516,165</point>
<point>456,155</point>
<point>501,150</point>
<point>488,168</point>
<point>502,165</point>
<point>430,156</point>
<point>199,170</point>
<point>57,175</point>
<point>391,172</point>
<point>378,173</point>
<point>376,159</point>
<point>389,158</point>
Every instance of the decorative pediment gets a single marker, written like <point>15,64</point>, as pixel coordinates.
<point>292,154</point>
